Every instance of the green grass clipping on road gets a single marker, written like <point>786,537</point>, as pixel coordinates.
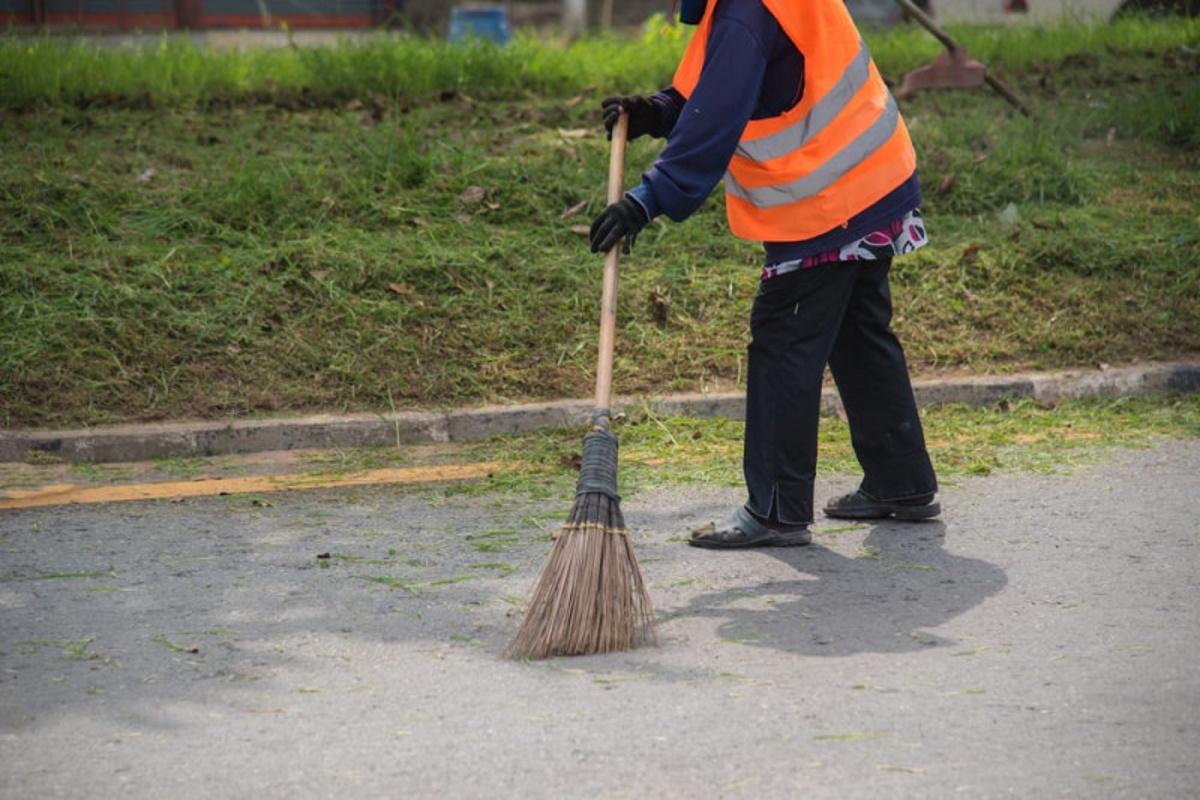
<point>195,234</point>
<point>660,451</point>
<point>963,441</point>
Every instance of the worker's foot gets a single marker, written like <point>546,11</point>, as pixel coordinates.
<point>743,530</point>
<point>861,505</point>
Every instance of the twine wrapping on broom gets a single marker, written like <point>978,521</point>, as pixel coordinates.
<point>598,465</point>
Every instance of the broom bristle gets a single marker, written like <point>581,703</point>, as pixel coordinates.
<point>589,597</point>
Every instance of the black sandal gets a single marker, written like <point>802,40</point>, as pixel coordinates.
<point>860,505</point>
<point>743,530</point>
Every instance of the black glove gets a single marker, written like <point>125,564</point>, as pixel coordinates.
<point>644,115</point>
<point>623,219</point>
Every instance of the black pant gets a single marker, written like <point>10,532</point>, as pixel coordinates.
<point>840,314</point>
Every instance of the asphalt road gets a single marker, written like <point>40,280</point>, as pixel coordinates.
<point>1041,640</point>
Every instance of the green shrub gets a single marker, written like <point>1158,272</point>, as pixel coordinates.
<point>44,69</point>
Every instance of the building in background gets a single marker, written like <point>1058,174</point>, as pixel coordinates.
<point>128,15</point>
<point>433,15</point>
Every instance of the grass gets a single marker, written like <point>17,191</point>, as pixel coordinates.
<point>496,566</point>
<point>108,573</point>
<point>74,649</point>
<point>415,587</point>
<point>181,467</point>
<point>173,647</point>
<point>963,441</point>
<point>38,70</point>
<point>660,451</point>
<point>194,234</point>
<point>494,541</point>
<point>391,583</point>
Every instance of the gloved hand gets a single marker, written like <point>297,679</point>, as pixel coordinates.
<point>623,219</point>
<point>644,115</point>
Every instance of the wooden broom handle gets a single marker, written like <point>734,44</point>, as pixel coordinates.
<point>608,302</point>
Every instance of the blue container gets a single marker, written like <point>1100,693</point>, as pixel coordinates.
<point>482,22</point>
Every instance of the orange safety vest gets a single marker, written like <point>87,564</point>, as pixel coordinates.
<point>838,151</point>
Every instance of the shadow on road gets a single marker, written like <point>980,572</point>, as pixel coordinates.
<point>224,604</point>
<point>901,582</point>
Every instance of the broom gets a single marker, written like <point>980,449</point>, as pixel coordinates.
<point>589,597</point>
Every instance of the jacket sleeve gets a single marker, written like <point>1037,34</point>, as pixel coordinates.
<point>709,125</point>
<point>669,103</point>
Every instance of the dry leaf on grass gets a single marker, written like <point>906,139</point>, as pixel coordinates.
<point>573,210</point>
<point>660,306</point>
<point>473,194</point>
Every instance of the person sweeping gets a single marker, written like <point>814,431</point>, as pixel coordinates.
<point>782,98</point>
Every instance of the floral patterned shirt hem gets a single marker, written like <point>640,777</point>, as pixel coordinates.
<point>902,236</point>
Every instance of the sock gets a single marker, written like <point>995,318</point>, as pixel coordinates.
<point>776,525</point>
<point>924,500</point>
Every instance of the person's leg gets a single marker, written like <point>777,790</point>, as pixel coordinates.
<point>793,325</point>
<point>872,378</point>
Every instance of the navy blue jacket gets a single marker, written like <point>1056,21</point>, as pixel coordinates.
<point>751,71</point>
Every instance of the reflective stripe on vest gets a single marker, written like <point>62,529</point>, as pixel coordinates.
<point>854,153</point>
<point>824,112</point>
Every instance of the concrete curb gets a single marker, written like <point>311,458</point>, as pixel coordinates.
<point>190,439</point>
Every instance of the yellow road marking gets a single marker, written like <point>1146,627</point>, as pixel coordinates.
<point>65,493</point>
